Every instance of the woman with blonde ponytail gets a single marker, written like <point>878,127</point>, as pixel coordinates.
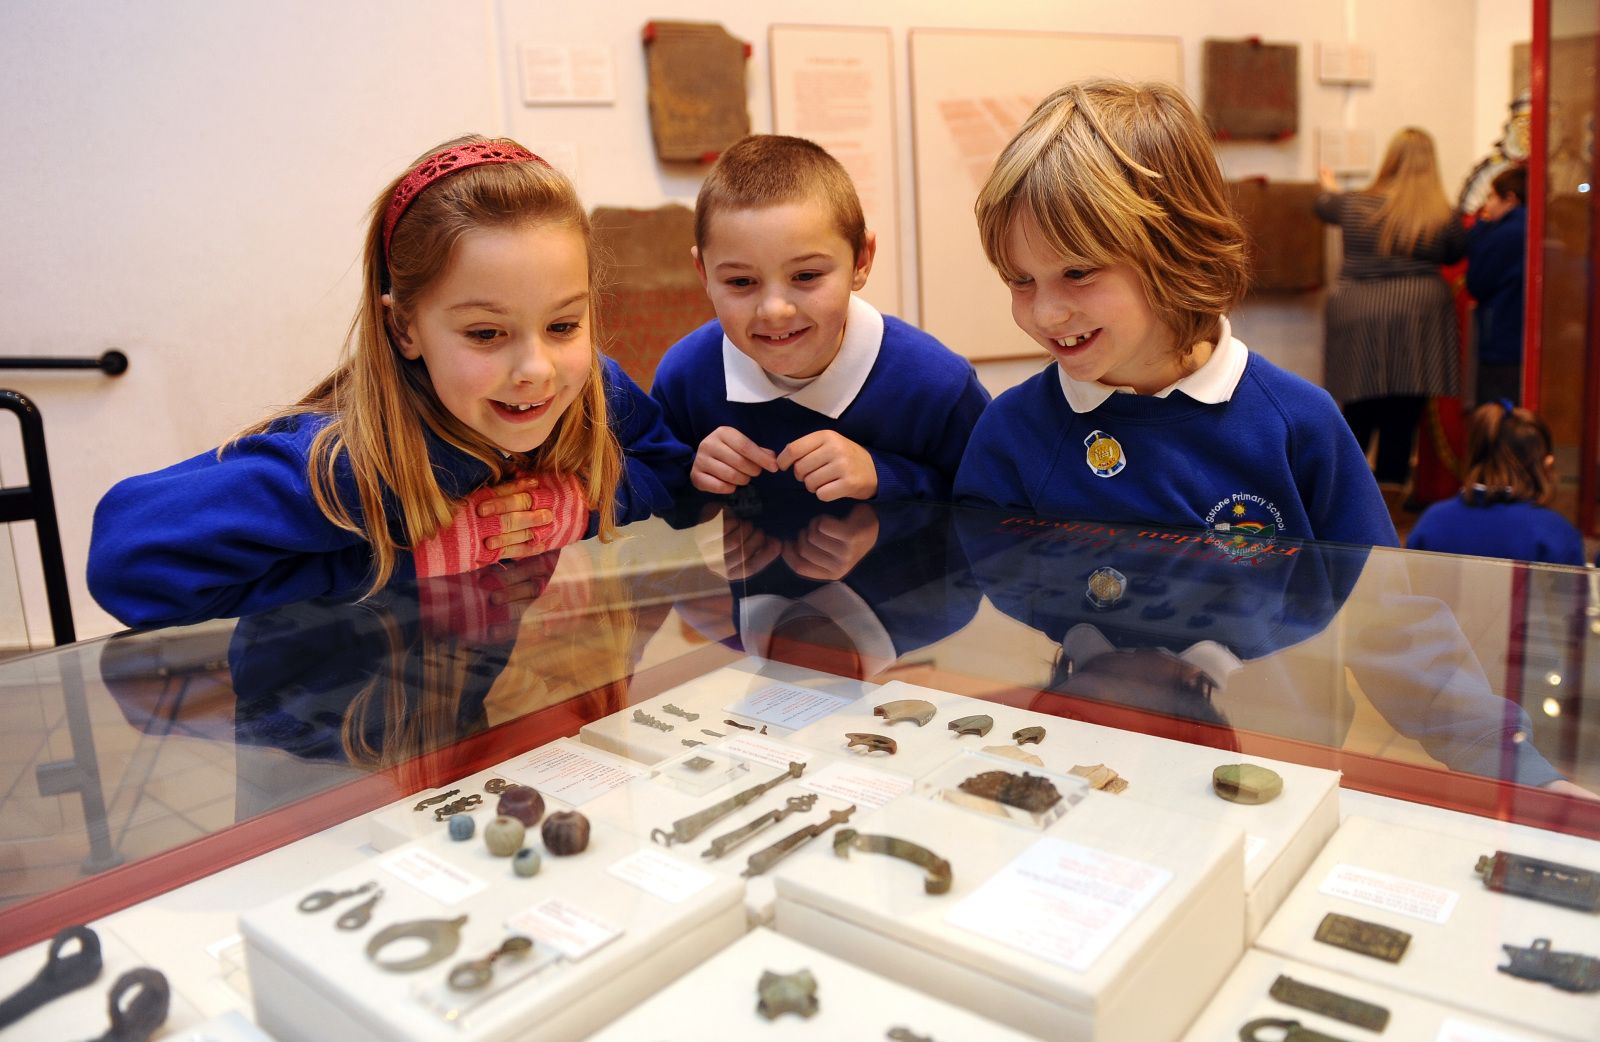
<point>1391,340</point>
<point>472,418</point>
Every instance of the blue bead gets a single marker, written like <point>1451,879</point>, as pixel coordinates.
<point>526,862</point>
<point>462,827</point>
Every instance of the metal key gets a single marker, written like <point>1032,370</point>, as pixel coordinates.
<point>726,842</point>
<point>320,899</point>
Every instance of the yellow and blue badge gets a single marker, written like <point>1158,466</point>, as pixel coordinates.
<point>1105,454</point>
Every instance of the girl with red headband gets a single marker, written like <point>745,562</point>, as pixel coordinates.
<point>471,420</point>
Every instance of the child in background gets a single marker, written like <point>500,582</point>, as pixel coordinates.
<point>1497,248</point>
<point>471,420</point>
<point>1502,510</point>
<point>1108,218</point>
<point>798,381</point>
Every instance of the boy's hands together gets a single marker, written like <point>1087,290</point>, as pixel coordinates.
<point>831,466</point>
<point>727,460</point>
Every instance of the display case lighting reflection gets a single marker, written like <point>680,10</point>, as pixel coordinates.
<point>1552,707</point>
<point>1553,678</point>
<point>1584,187</point>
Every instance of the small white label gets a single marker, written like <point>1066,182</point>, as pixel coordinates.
<point>565,927</point>
<point>864,786</point>
<point>1432,904</point>
<point>566,74</point>
<point>1061,902</point>
<point>788,707</point>
<point>1253,845</point>
<point>1461,1031</point>
<point>432,875</point>
<point>769,751</point>
<point>661,875</point>
<point>572,774</point>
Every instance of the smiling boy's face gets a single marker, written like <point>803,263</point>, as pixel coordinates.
<point>780,278</point>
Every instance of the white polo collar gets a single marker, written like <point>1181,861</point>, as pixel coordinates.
<point>760,614</point>
<point>832,391</point>
<point>1213,383</point>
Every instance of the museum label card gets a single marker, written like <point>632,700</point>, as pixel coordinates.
<point>769,751</point>
<point>1061,901</point>
<point>1432,904</point>
<point>866,787</point>
<point>572,774</point>
<point>432,875</point>
<point>661,875</point>
<point>792,708</point>
<point>564,927</point>
<point>1461,1031</point>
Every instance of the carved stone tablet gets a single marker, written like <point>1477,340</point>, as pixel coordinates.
<point>697,89</point>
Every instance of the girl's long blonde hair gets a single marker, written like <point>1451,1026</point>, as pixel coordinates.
<point>381,405</point>
<point>1414,206</point>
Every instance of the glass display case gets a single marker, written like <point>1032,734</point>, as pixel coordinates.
<point>864,771</point>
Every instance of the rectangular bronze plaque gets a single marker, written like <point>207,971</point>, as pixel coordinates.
<point>1358,935</point>
<point>1301,995</point>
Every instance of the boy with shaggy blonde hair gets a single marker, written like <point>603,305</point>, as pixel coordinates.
<point>1108,218</point>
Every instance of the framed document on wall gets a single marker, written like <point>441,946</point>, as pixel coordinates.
<point>970,91</point>
<point>835,86</point>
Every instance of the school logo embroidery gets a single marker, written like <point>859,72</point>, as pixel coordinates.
<point>1105,454</point>
<point>1106,588</point>
<point>1244,525</point>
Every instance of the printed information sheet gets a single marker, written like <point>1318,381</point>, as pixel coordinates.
<point>1060,901</point>
<point>789,707</point>
<point>572,774</point>
<point>1431,904</point>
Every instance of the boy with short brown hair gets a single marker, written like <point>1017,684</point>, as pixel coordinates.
<point>798,382</point>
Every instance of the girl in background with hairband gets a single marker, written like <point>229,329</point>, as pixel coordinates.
<point>471,419</point>
<point>1503,507</point>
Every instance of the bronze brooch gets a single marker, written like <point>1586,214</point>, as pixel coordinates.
<point>1030,792</point>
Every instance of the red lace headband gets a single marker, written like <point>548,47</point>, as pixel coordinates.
<point>441,165</point>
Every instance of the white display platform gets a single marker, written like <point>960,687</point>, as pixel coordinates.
<point>586,769</point>
<point>1244,997</point>
<point>919,749</point>
<point>655,802</point>
<point>1453,962</point>
<point>1281,837</point>
<point>1154,973</point>
<point>717,1003</point>
<point>83,1013</point>
<point>709,696</point>
<point>314,982</point>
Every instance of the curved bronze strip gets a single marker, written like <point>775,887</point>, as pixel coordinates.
<point>939,876</point>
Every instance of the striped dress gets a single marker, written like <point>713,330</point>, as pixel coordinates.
<point>1390,320</point>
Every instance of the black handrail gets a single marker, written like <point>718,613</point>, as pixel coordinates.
<point>36,502</point>
<point>112,363</point>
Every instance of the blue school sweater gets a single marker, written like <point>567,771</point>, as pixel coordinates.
<point>913,414</point>
<point>1514,531</point>
<point>210,538</point>
<point>1496,256</point>
<point>1276,460</point>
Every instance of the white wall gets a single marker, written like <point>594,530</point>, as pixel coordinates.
<point>189,177</point>
<point>1501,24</point>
